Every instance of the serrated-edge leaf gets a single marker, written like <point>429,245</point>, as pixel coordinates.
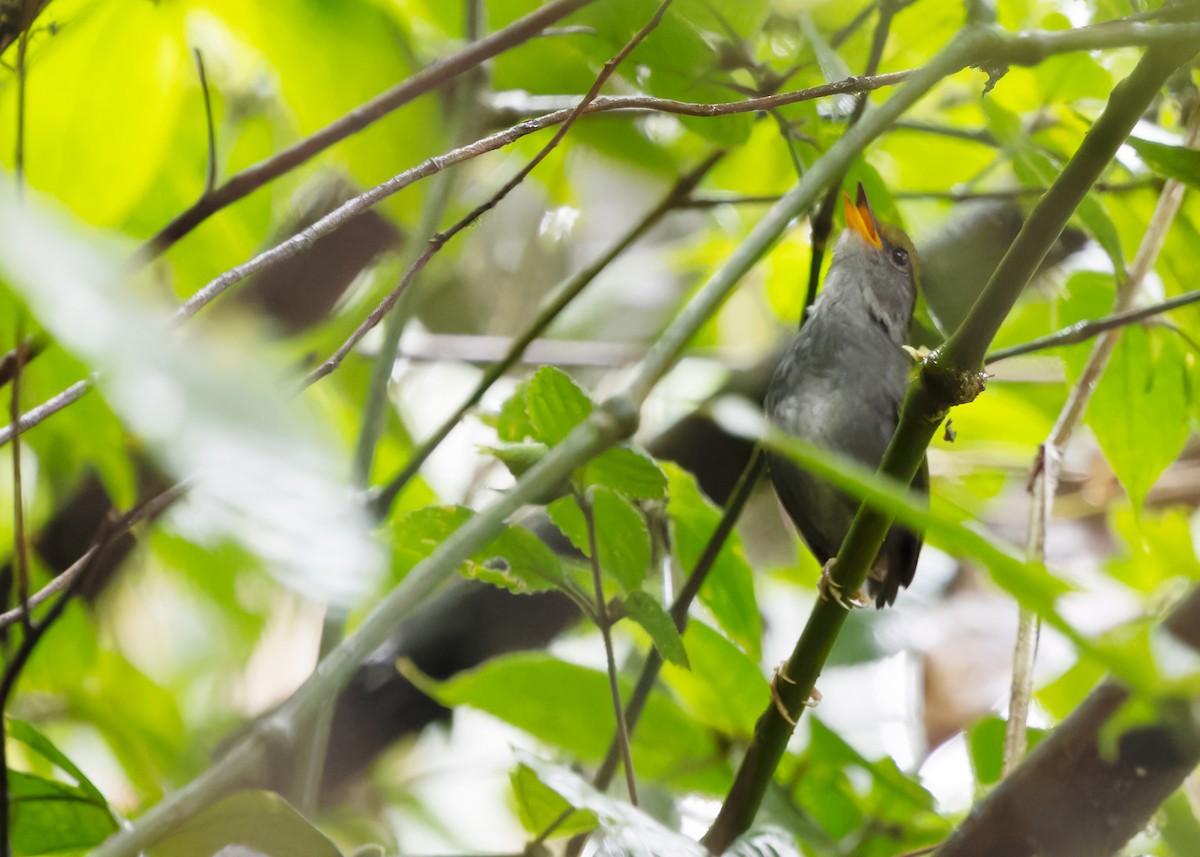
<point>556,404</point>
<point>629,471</point>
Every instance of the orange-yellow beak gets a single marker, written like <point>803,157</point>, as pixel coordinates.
<point>860,219</point>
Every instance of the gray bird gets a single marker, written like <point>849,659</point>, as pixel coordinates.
<point>840,385</point>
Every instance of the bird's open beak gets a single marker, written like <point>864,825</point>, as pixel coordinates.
<point>860,219</point>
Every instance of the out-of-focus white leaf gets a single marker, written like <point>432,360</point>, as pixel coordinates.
<point>208,410</point>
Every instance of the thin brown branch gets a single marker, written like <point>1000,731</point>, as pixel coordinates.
<point>47,408</point>
<point>27,350</point>
<point>143,511</point>
<point>600,104</point>
<point>438,241</point>
<point>1085,330</point>
<point>429,78</point>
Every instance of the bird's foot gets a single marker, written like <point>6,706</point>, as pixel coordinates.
<point>776,700</point>
<point>814,698</point>
<point>830,590</point>
<point>918,355</point>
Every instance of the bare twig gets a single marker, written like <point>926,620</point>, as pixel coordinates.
<point>22,354</point>
<point>330,222</point>
<point>1048,466</point>
<point>1085,330</point>
<point>438,241</point>
<point>51,406</point>
<point>429,78</point>
<point>142,512</point>
<point>210,179</point>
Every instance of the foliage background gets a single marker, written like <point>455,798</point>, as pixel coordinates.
<point>209,623</point>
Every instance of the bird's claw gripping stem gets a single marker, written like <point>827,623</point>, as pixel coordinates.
<point>814,698</point>
<point>830,590</point>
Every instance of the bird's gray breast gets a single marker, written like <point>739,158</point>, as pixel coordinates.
<point>840,385</point>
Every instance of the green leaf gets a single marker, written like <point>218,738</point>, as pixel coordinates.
<point>1034,168</point>
<point>628,471</point>
<point>520,457</point>
<point>1159,549</point>
<point>724,689</point>
<point>512,423</point>
<point>985,742</point>
<point>1139,412</point>
<point>539,806</point>
<point>570,707</point>
<point>728,591</point>
<point>1173,162</point>
<point>622,537</point>
<point>1179,825</point>
<point>49,816</point>
<point>627,829</point>
<point>556,404</point>
<point>516,559</point>
<point>24,732</point>
<point>643,609</point>
<point>261,821</point>
<point>520,562</point>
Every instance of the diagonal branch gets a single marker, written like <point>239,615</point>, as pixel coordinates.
<point>438,241</point>
<point>429,78</point>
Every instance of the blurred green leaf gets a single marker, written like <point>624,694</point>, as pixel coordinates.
<point>985,742</point>
<point>555,404</point>
<point>643,609</point>
<point>627,829</point>
<point>207,408</point>
<point>728,591</point>
<point>1159,548</point>
<point>539,806</point>
<point>1179,825</point>
<point>1140,409</point>
<point>570,707</point>
<point>260,821</point>
<point>723,689</point>
<point>1036,169</point>
<point>1172,162</point>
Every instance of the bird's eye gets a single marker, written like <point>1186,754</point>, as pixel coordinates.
<point>900,257</point>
